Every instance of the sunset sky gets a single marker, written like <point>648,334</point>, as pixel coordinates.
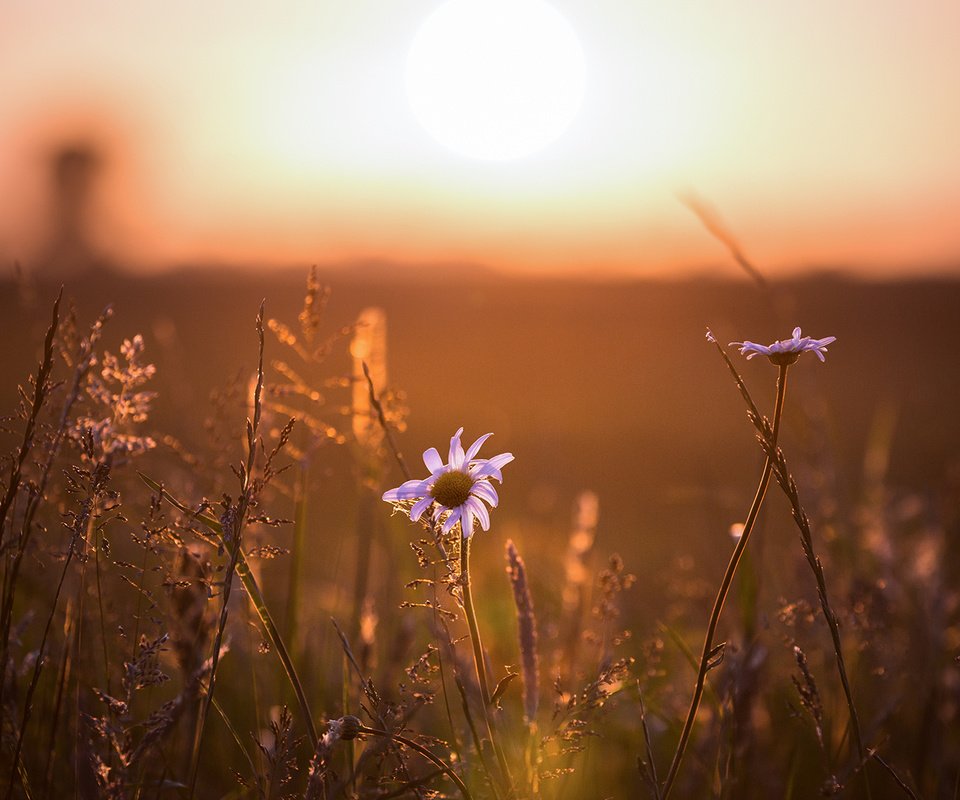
<point>252,133</point>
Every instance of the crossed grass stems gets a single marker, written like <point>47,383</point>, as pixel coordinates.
<point>775,465</point>
<point>711,655</point>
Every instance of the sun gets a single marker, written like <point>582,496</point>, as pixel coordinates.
<point>495,79</point>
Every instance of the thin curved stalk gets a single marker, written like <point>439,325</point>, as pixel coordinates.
<point>16,773</point>
<point>231,538</point>
<point>767,439</point>
<point>437,762</point>
<point>708,653</point>
<point>782,474</point>
<point>471,615</point>
<point>217,642</point>
<point>259,604</point>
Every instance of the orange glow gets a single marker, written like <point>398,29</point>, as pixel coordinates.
<point>826,135</point>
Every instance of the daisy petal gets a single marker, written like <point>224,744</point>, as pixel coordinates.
<point>501,460</point>
<point>411,490</point>
<point>475,447</point>
<point>419,507</point>
<point>475,506</point>
<point>466,520</point>
<point>484,490</point>
<point>452,520</point>
<point>484,469</point>
<point>785,351</point>
<point>432,460</point>
<point>456,451</point>
<point>417,496</point>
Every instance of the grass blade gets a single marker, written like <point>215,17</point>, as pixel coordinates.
<point>256,597</point>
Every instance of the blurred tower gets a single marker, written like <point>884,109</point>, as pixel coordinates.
<point>74,170</point>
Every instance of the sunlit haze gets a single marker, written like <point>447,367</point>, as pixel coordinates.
<point>252,134</point>
<point>495,79</point>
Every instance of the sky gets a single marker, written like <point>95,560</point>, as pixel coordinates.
<point>256,133</point>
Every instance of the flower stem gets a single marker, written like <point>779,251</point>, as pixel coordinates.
<point>708,648</point>
<point>478,659</point>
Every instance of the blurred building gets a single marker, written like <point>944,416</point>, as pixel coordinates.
<point>69,250</point>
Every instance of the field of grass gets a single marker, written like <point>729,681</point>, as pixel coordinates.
<point>205,596</point>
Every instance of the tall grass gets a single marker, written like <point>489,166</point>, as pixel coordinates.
<point>166,606</point>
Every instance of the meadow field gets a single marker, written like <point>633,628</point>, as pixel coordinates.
<point>204,594</point>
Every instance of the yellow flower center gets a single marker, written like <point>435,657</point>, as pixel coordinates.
<point>452,489</point>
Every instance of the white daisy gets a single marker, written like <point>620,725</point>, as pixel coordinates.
<point>457,489</point>
<point>786,351</point>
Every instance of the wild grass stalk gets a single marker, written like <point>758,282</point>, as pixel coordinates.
<point>229,529</point>
<point>785,479</point>
<point>38,666</point>
<point>445,648</point>
<point>34,407</point>
<point>526,633</point>
<point>478,741</point>
<point>447,653</point>
<point>318,776</point>
<point>90,483</point>
<point>252,588</point>
<point>647,764</point>
<point>84,363</point>
<point>767,437</point>
<point>577,576</point>
<point>63,681</point>
<point>232,521</point>
<point>710,220</point>
<point>368,349</point>
<point>406,742</point>
<point>470,613</point>
<point>810,700</point>
<point>529,660</point>
<point>81,746</point>
<point>710,654</point>
<point>41,392</point>
<point>378,709</point>
<point>104,641</point>
<point>345,704</point>
<point>297,554</point>
<point>385,425</point>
